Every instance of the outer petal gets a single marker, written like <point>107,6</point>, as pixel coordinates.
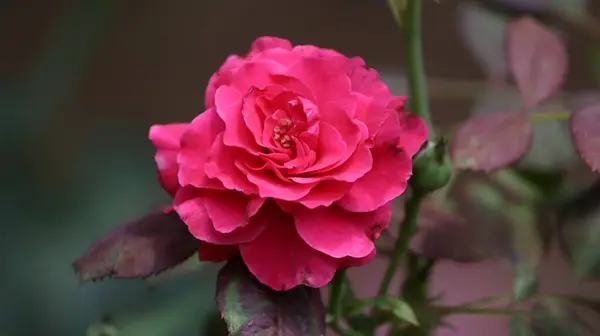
<point>166,140</point>
<point>268,42</point>
<point>340,233</point>
<point>326,77</point>
<point>355,262</point>
<point>216,253</point>
<point>196,143</point>
<point>387,180</point>
<point>325,193</point>
<point>413,132</point>
<point>229,210</point>
<point>280,259</point>
<point>221,77</point>
<point>190,204</point>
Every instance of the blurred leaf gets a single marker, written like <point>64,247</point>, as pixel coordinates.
<point>537,60</point>
<point>250,308</point>
<point>518,328</point>
<point>527,248</point>
<point>525,282</point>
<point>483,33</point>
<point>446,235</point>
<point>492,141</point>
<point>137,249</point>
<point>551,318</point>
<point>585,129</point>
<point>103,328</point>
<point>400,309</point>
<point>581,239</point>
<point>551,145</point>
<point>397,7</point>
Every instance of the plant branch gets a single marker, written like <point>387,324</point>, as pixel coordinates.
<point>408,228</point>
<point>415,69</point>
<point>466,310</point>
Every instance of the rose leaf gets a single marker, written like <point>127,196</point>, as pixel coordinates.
<point>585,129</point>
<point>537,60</point>
<point>140,248</point>
<point>250,308</point>
<point>399,308</point>
<point>491,141</point>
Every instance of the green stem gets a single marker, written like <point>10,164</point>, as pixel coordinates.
<point>408,228</point>
<point>415,69</point>
<point>335,308</point>
<point>464,310</point>
<point>546,117</point>
<point>338,287</point>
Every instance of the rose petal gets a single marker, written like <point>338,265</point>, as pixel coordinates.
<point>221,166</point>
<point>386,181</point>
<point>340,233</point>
<point>331,147</point>
<point>228,102</point>
<point>355,262</point>
<point>222,77</point>
<point>269,184</point>
<point>268,42</point>
<point>325,193</point>
<point>216,253</point>
<point>256,73</point>
<point>196,144</point>
<point>325,77</point>
<point>166,140</point>
<point>190,204</point>
<point>280,259</point>
<point>413,132</point>
<point>228,210</point>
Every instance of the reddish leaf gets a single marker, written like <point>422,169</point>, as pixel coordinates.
<point>251,308</point>
<point>491,141</point>
<point>137,249</point>
<point>537,60</point>
<point>585,128</point>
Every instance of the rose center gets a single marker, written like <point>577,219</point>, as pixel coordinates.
<point>282,133</point>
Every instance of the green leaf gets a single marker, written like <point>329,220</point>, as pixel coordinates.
<point>518,328</point>
<point>581,238</point>
<point>399,308</point>
<point>251,308</point>
<point>527,248</point>
<point>525,282</point>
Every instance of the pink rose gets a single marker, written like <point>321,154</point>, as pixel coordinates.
<point>293,164</point>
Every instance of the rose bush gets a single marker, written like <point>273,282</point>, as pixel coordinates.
<point>293,164</point>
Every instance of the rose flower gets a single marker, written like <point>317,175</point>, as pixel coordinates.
<point>293,164</point>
